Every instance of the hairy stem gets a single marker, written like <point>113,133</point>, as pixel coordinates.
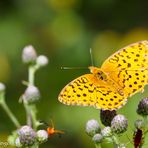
<point>8,111</point>
<point>31,109</point>
<point>97,145</point>
<point>116,141</point>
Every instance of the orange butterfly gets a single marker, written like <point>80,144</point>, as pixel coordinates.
<point>122,75</point>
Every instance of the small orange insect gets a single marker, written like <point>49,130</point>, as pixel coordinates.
<point>51,130</point>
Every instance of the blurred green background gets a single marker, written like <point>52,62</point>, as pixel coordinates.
<point>65,30</point>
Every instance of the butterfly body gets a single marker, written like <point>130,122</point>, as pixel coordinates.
<point>121,75</point>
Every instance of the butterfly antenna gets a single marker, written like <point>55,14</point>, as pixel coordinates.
<point>91,57</point>
<point>65,68</point>
<point>92,63</point>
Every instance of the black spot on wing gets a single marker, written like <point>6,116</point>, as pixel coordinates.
<point>80,88</point>
<point>84,95</point>
<point>114,59</point>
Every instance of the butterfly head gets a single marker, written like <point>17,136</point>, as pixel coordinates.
<point>98,73</point>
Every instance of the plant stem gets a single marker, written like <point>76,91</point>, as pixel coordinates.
<point>9,113</point>
<point>34,146</point>
<point>145,121</point>
<point>31,75</point>
<point>33,112</point>
<point>115,141</point>
<point>97,145</point>
<point>31,109</point>
<point>28,114</point>
<point>145,129</point>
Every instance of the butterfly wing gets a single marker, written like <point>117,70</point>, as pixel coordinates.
<point>80,91</point>
<point>89,91</point>
<point>128,67</point>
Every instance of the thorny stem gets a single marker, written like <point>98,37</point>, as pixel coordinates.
<point>8,111</point>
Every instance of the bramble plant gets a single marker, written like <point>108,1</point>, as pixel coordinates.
<point>116,125</point>
<point>27,135</point>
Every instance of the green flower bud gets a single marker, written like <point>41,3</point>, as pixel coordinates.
<point>29,54</point>
<point>18,143</point>
<point>42,136</point>
<point>143,107</point>
<point>119,124</point>
<point>106,132</point>
<point>92,127</point>
<point>2,87</point>
<point>139,124</point>
<point>31,94</point>
<point>42,60</point>
<point>97,138</point>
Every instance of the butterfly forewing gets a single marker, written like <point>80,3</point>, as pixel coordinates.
<point>129,67</point>
<point>80,91</point>
<point>87,91</point>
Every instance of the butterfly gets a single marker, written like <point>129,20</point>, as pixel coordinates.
<point>122,75</point>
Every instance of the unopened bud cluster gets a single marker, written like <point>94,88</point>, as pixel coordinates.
<point>143,107</point>
<point>117,124</point>
<point>93,129</point>
<point>29,55</point>
<point>28,137</point>
<point>32,94</point>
